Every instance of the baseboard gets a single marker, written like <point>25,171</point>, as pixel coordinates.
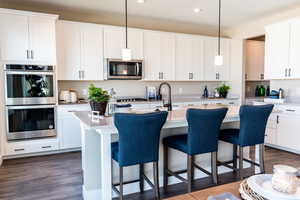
<point>41,153</point>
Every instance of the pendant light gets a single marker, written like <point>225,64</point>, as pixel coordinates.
<point>126,53</point>
<point>219,57</point>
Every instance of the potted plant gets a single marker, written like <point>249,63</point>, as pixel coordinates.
<point>98,99</point>
<point>223,90</point>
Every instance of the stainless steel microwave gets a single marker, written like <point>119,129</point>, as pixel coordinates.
<point>124,70</point>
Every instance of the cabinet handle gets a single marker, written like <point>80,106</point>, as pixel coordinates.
<point>261,76</point>
<point>82,74</point>
<point>79,73</point>
<point>246,76</point>
<point>46,147</point>
<point>277,119</point>
<point>27,54</point>
<point>19,150</point>
<point>289,110</point>
<point>192,74</point>
<point>290,72</point>
<point>32,54</point>
<point>286,72</point>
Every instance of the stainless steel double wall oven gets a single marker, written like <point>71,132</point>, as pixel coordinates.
<point>30,98</point>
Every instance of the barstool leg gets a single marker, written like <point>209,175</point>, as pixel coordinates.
<point>235,157</point>
<point>261,158</point>
<point>121,183</point>
<point>166,167</point>
<point>189,173</point>
<point>192,169</point>
<point>141,178</point>
<point>214,168</point>
<point>241,156</point>
<point>156,180</point>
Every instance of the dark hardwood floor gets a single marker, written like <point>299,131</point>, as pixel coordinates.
<point>59,177</point>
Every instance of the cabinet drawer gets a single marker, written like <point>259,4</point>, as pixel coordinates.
<point>17,148</point>
<point>47,146</point>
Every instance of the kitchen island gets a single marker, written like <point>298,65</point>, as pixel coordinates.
<point>97,136</point>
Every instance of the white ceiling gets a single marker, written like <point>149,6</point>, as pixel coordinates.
<point>235,12</point>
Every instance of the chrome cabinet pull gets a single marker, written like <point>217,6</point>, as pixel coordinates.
<point>277,119</point>
<point>290,72</point>
<point>19,150</point>
<point>192,75</point>
<point>79,74</point>
<point>286,72</point>
<point>246,76</point>
<point>290,110</point>
<point>27,52</point>
<point>46,147</point>
<point>32,54</point>
<point>82,74</point>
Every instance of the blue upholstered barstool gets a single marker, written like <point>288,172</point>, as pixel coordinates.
<point>202,137</point>
<point>253,121</point>
<point>139,136</point>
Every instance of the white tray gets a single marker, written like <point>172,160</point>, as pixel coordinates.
<point>262,185</point>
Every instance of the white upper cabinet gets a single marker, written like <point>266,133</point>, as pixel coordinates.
<point>114,42</point>
<point>80,51</point>
<point>294,64</point>
<point>92,61</point>
<point>255,53</point>
<point>159,55</point>
<point>14,37</point>
<point>211,71</point>
<point>189,57</point>
<point>277,50</point>
<point>27,37</point>
<point>42,40</point>
<point>68,50</point>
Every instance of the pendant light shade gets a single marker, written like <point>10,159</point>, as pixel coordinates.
<point>219,57</point>
<point>126,53</point>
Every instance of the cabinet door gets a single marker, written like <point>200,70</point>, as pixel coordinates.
<point>68,50</point>
<point>277,47</point>
<point>210,51</point>
<point>167,56</point>
<point>288,131</point>
<point>152,55</point>
<point>42,40</point>
<point>223,71</point>
<point>114,42</point>
<point>294,65</point>
<point>14,38</point>
<point>255,53</point>
<point>92,52</point>
<point>189,58</point>
<point>69,130</point>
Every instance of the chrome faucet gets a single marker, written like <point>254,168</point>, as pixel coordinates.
<point>169,104</point>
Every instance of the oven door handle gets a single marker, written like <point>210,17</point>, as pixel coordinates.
<point>29,73</point>
<point>30,107</point>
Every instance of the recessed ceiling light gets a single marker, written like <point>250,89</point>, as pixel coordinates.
<point>140,1</point>
<point>197,10</point>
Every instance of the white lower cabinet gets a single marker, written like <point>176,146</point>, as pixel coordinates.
<point>271,130</point>
<point>34,146</point>
<point>288,131</point>
<point>69,131</point>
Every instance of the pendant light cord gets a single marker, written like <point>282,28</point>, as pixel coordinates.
<point>219,33</point>
<point>126,21</point>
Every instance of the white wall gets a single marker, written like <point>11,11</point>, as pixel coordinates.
<point>256,26</point>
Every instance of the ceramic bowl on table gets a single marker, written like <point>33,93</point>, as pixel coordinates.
<point>262,185</point>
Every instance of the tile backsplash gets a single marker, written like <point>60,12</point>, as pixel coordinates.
<point>291,89</point>
<point>137,88</point>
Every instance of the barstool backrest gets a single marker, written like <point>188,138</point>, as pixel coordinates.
<point>253,122</point>
<point>139,136</point>
<point>204,128</point>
